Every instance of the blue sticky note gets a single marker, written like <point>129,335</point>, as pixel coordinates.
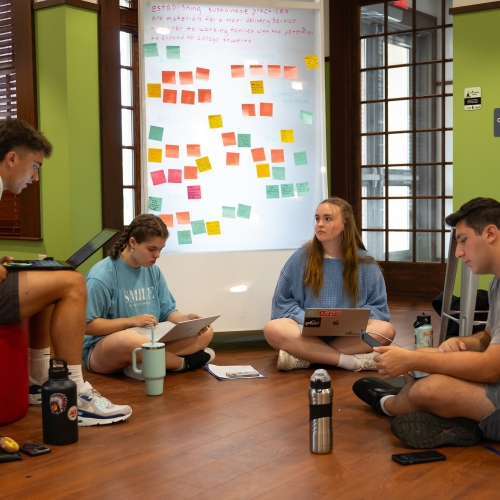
<point>229,212</point>
<point>150,50</point>
<point>198,227</point>
<point>302,188</point>
<point>272,192</point>
<point>287,191</point>
<point>173,52</point>
<point>243,211</point>
<point>154,204</point>
<point>184,237</point>
<point>155,133</point>
<point>278,173</point>
<point>306,117</point>
<point>300,158</point>
<point>244,141</point>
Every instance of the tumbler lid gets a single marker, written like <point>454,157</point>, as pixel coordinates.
<point>422,319</point>
<point>58,372</point>
<point>320,379</point>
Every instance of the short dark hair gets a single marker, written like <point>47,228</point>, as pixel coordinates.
<point>477,214</point>
<point>16,134</point>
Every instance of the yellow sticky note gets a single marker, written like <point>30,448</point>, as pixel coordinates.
<point>203,164</point>
<point>263,170</point>
<point>154,155</point>
<point>287,136</point>
<point>257,86</point>
<point>154,89</point>
<point>215,121</point>
<point>311,61</point>
<point>213,228</point>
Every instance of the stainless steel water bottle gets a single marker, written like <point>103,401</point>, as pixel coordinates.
<point>320,413</point>
<point>423,331</point>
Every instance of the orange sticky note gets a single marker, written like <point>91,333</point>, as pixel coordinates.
<point>248,109</point>
<point>277,155</point>
<point>171,151</point>
<point>203,164</point>
<point>204,95</point>
<point>256,70</point>
<point>215,121</point>
<point>257,86</point>
<point>290,72</point>
<point>183,217</point>
<point>233,159</point>
<point>186,77</point>
<point>154,89</point>
<point>274,70</point>
<point>190,172</point>
<point>237,71</point>
<point>258,154</point>
<point>213,228</point>
<point>154,155</point>
<point>187,97</point>
<point>266,109</point>
<point>193,150</point>
<point>311,61</point>
<point>168,77</point>
<point>168,219</point>
<point>287,136</point>
<point>228,139</point>
<point>263,170</point>
<point>202,74</point>
<point>169,96</point>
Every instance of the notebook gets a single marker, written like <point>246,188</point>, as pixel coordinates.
<point>78,258</point>
<point>335,322</point>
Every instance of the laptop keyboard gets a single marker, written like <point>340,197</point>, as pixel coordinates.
<point>45,263</point>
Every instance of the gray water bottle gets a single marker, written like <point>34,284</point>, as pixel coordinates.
<point>320,413</point>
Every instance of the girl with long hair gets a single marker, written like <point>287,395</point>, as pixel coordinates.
<point>333,270</point>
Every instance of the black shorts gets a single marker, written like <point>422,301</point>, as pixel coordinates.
<point>9,299</point>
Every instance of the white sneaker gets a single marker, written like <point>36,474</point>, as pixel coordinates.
<point>365,361</point>
<point>288,362</point>
<point>129,372</point>
<point>94,409</point>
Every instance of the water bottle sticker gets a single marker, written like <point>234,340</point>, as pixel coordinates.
<point>73,413</point>
<point>58,403</point>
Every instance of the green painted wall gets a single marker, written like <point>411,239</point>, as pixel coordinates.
<point>68,113</point>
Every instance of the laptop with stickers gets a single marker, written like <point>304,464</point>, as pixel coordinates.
<point>335,322</point>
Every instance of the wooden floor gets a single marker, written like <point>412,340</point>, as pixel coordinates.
<point>245,439</point>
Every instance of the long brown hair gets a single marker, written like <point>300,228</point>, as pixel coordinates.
<point>143,228</point>
<point>351,242</point>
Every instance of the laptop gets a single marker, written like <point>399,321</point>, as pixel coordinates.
<point>78,258</point>
<point>335,322</point>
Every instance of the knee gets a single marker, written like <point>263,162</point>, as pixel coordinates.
<point>75,284</point>
<point>272,331</point>
<point>425,393</point>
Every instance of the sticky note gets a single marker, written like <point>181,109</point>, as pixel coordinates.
<point>204,95</point>
<point>274,70</point>
<point>272,191</point>
<point>278,173</point>
<point>257,86</point>
<point>277,155</point>
<point>173,52</point>
<point>290,72</point>
<point>244,140</point>
<point>187,97</point>
<point>213,228</point>
<point>215,121</point>
<point>302,188</point>
<point>150,49</point>
<point>237,71</point>
<point>155,133</point>
<point>171,151</point>
<point>203,164</point>
<point>169,96</point>
<point>287,191</point>
<point>190,172</point>
<point>233,159</point>
<point>186,77</point>
<point>154,203</point>
<point>243,211</point>
<point>248,109</point>
<point>168,219</point>
<point>306,117</point>
<point>266,109</point>
<point>311,62</point>
<point>263,170</point>
<point>198,227</point>
<point>168,77</point>
<point>256,70</point>
<point>154,89</point>
<point>258,154</point>
<point>229,212</point>
<point>154,155</point>
<point>184,237</point>
<point>228,139</point>
<point>183,218</point>
<point>300,158</point>
<point>174,175</point>
<point>194,192</point>
<point>158,177</point>
<point>202,73</point>
<point>193,150</point>
<point>287,136</point>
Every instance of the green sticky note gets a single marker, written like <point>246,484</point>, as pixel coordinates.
<point>173,52</point>
<point>243,211</point>
<point>300,158</point>
<point>287,191</point>
<point>154,204</point>
<point>278,173</point>
<point>198,227</point>
<point>155,133</point>
<point>150,50</point>
<point>184,237</point>
<point>302,188</point>
<point>244,141</point>
<point>306,117</point>
<point>272,192</point>
<point>229,212</point>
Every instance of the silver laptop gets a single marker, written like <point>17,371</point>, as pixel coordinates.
<point>335,322</point>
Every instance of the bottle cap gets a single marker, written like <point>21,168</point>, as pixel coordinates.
<point>422,319</point>
<point>58,372</point>
<point>320,380</point>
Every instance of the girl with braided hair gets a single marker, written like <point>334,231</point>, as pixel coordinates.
<point>127,290</point>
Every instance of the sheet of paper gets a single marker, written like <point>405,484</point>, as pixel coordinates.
<point>173,52</point>
<point>248,109</point>
<point>278,173</point>
<point>187,97</point>
<point>198,227</point>
<point>263,170</point>
<point>171,151</point>
<point>202,74</point>
<point>287,136</point>
<point>186,77</point>
<point>150,50</point>
<point>155,133</point>
<point>215,121</point>
<point>257,86</point>
<point>203,164</point>
<point>300,158</point>
<point>287,191</point>
<point>184,237</point>
<point>154,155</point>
<point>258,154</point>
<point>229,212</point>
<point>311,62</point>
<point>277,155</point>
<point>154,89</point>
<point>193,150</point>
<point>272,191</point>
<point>168,219</point>
<point>220,372</point>
<point>168,77</point>
<point>213,228</point>
<point>154,203</point>
<point>306,117</point>
<point>237,71</point>
<point>266,109</point>
<point>160,330</point>
<point>302,188</point>
<point>158,177</point>
<point>174,175</point>
<point>194,192</point>
<point>244,211</point>
<point>204,95</point>
<point>169,96</point>
<point>244,141</point>
<point>233,159</point>
<point>256,70</point>
<point>183,218</point>
<point>290,72</point>
<point>190,172</point>
<point>228,138</point>
<point>274,70</point>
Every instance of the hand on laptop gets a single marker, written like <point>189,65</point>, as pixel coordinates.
<point>3,271</point>
<point>196,316</point>
<point>144,320</point>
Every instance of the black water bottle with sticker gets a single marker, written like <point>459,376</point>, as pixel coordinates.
<point>59,406</point>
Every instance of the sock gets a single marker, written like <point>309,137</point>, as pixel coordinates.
<point>382,403</point>
<point>75,374</point>
<point>39,361</point>
<point>182,367</point>
<point>347,361</point>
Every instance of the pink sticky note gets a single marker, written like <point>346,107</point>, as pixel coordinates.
<point>187,97</point>
<point>168,219</point>
<point>277,155</point>
<point>256,70</point>
<point>174,175</point>
<point>237,71</point>
<point>183,217</point>
<point>168,77</point>
<point>290,72</point>
<point>171,151</point>
<point>193,150</point>
<point>194,192</point>
<point>190,172</point>
<point>258,154</point>
<point>169,96</point>
<point>186,77</point>
<point>204,95</point>
<point>248,109</point>
<point>228,139</point>
<point>266,109</point>
<point>158,177</point>
<point>233,159</point>
<point>202,74</point>
<point>274,70</point>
